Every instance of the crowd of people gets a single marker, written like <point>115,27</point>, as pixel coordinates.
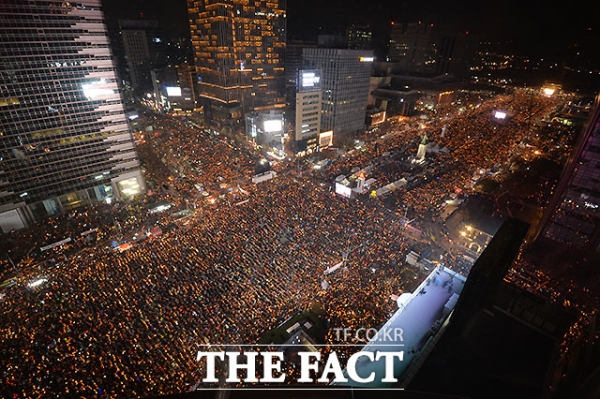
<point>478,143</point>
<point>110,324</point>
<point>130,324</point>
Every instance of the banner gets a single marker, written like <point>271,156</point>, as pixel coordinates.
<point>56,244</point>
<point>331,269</point>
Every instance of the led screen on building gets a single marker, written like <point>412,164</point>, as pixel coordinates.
<point>173,91</point>
<point>274,125</point>
<point>326,139</point>
<point>308,80</point>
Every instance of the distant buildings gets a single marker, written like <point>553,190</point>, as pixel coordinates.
<point>413,46</point>
<point>239,56</point>
<point>143,51</point>
<point>359,38</point>
<point>64,137</point>
<point>422,48</point>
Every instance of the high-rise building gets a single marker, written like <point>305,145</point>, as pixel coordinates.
<point>293,62</point>
<point>239,51</point>
<point>359,38</point>
<point>414,47</point>
<point>64,137</point>
<point>573,215</point>
<point>308,108</point>
<point>143,51</point>
<point>345,79</point>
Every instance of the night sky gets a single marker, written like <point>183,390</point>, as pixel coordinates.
<point>533,27</point>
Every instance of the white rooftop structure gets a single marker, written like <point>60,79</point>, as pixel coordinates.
<point>419,317</point>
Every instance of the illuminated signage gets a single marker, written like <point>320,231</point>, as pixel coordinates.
<point>273,125</point>
<point>367,59</point>
<point>500,115</point>
<point>309,79</point>
<point>326,139</point>
<point>173,91</point>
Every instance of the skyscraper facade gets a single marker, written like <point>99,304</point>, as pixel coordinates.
<point>414,46</point>
<point>359,38</point>
<point>573,216</point>
<point>239,49</point>
<point>143,52</point>
<point>64,138</point>
<point>345,79</point>
<point>293,62</point>
<point>308,108</point>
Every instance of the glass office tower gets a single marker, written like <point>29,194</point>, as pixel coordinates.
<point>64,137</point>
<point>345,79</point>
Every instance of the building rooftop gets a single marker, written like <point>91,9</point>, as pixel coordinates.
<point>418,318</point>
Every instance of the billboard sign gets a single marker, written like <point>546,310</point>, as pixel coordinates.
<point>308,80</point>
<point>274,125</point>
<point>173,91</point>
<point>326,139</point>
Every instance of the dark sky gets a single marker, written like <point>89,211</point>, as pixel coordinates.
<point>534,26</point>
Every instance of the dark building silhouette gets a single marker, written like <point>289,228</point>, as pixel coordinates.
<point>502,341</point>
<point>423,49</point>
<point>143,50</point>
<point>573,215</point>
<point>413,46</point>
<point>359,38</point>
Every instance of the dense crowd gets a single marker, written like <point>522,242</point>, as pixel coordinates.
<point>476,141</point>
<point>129,324</point>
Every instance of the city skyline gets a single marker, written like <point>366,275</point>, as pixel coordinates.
<point>526,28</point>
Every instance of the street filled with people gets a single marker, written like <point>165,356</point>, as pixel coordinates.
<point>85,320</point>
